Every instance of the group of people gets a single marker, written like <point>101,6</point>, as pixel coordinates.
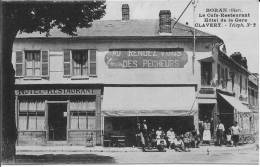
<point>183,142</point>
<point>232,134</point>
<point>161,140</point>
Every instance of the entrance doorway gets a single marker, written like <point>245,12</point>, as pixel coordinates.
<point>57,121</point>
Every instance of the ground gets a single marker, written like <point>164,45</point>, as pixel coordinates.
<point>238,156</point>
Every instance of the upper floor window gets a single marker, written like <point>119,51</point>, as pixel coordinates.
<point>218,69</point>
<point>80,63</point>
<point>240,83</point>
<point>245,85</point>
<point>32,63</point>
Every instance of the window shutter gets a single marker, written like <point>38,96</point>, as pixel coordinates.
<point>19,64</point>
<point>67,62</point>
<point>45,63</point>
<point>92,63</point>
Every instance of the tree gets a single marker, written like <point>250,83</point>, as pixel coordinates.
<point>29,17</point>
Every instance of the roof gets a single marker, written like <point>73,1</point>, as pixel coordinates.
<point>119,28</point>
<point>226,57</point>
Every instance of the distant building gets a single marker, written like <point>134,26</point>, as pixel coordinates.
<point>88,88</point>
<point>253,100</point>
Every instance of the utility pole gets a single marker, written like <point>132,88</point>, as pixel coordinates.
<point>194,3</point>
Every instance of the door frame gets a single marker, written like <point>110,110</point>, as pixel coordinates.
<point>47,116</point>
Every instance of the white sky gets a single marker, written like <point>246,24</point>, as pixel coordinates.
<point>244,40</point>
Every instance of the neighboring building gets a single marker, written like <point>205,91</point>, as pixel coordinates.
<point>84,88</point>
<point>224,85</point>
<point>253,100</point>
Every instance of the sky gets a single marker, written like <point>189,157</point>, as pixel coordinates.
<point>244,40</point>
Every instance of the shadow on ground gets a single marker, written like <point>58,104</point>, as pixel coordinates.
<point>63,159</point>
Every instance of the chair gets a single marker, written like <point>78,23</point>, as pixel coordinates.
<point>107,143</point>
<point>121,142</point>
<point>89,140</point>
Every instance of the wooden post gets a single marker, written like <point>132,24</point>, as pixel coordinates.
<point>17,116</point>
<point>215,119</point>
<point>68,120</point>
<point>46,120</point>
<point>98,120</point>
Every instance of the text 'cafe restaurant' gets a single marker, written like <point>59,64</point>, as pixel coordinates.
<point>149,73</point>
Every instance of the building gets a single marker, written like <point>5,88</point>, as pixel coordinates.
<point>224,85</point>
<point>80,90</point>
<point>253,100</point>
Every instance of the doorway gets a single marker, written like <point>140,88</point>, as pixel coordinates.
<point>57,121</point>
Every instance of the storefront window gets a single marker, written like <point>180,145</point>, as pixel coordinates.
<point>83,114</point>
<point>31,115</point>
<point>33,63</point>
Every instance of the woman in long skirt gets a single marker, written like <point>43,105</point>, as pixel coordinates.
<point>206,132</point>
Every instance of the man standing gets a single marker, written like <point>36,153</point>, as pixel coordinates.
<point>144,130</point>
<point>235,131</point>
<point>220,133</point>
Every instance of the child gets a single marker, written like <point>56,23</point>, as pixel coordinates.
<point>187,141</point>
<point>228,135</point>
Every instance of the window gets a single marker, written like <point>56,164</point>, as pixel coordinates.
<point>226,77</point>
<point>32,63</point>
<point>79,63</point>
<point>245,85</point>
<point>31,115</point>
<point>233,80</point>
<point>83,114</point>
<point>240,83</point>
<point>222,77</point>
<point>218,68</point>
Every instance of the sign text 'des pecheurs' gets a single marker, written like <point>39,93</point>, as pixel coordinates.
<point>146,59</point>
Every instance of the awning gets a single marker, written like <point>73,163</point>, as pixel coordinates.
<point>148,101</point>
<point>235,103</point>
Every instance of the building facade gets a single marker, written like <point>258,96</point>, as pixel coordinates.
<point>224,85</point>
<point>253,100</point>
<point>83,89</point>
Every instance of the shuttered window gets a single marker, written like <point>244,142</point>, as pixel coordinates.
<point>92,63</point>
<point>67,62</point>
<point>45,64</point>
<point>32,63</point>
<point>19,63</point>
<point>80,63</point>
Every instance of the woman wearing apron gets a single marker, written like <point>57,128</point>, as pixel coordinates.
<point>206,132</point>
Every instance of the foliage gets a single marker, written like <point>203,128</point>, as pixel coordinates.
<point>30,17</point>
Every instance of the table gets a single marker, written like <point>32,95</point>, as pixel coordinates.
<point>118,141</point>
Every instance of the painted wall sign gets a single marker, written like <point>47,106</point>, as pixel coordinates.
<point>58,92</point>
<point>146,58</point>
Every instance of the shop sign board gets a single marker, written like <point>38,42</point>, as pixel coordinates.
<point>152,58</point>
<point>58,92</point>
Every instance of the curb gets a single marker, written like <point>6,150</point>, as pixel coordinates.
<point>22,150</point>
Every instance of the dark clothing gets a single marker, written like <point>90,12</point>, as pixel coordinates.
<point>235,139</point>
<point>144,130</point>
<point>220,135</point>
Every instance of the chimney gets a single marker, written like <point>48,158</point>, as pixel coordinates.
<point>125,12</point>
<point>165,21</point>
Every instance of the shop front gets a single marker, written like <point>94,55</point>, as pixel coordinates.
<point>54,115</point>
<point>166,106</point>
<point>231,109</point>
